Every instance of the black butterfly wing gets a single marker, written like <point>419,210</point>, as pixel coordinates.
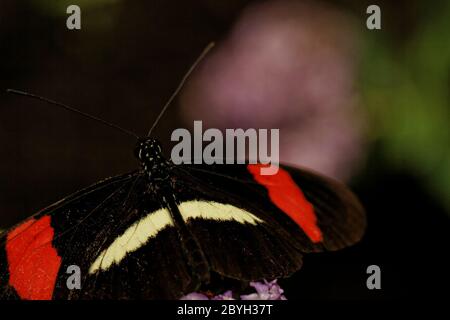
<point>36,254</point>
<point>271,247</point>
<point>125,244</point>
<point>340,215</point>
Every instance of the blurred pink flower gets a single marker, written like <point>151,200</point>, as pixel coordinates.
<point>292,66</point>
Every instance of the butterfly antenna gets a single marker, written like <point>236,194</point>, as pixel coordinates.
<point>66,107</point>
<point>181,85</point>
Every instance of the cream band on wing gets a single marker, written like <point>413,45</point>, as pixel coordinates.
<point>210,210</point>
<point>132,239</point>
<point>138,234</point>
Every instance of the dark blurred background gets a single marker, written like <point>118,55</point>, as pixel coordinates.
<point>368,107</point>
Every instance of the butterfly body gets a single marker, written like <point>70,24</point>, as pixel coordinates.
<point>164,230</point>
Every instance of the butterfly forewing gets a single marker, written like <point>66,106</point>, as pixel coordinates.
<point>336,217</point>
<point>77,231</point>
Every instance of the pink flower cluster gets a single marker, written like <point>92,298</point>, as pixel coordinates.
<point>264,291</point>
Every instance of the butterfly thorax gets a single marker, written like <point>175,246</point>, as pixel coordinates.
<point>149,153</point>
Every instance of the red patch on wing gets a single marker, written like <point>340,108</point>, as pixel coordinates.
<point>289,198</point>
<point>32,260</point>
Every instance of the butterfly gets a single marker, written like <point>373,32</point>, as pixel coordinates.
<point>165,230</point>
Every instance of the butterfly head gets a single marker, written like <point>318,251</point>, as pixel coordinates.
<point>149,153</point>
